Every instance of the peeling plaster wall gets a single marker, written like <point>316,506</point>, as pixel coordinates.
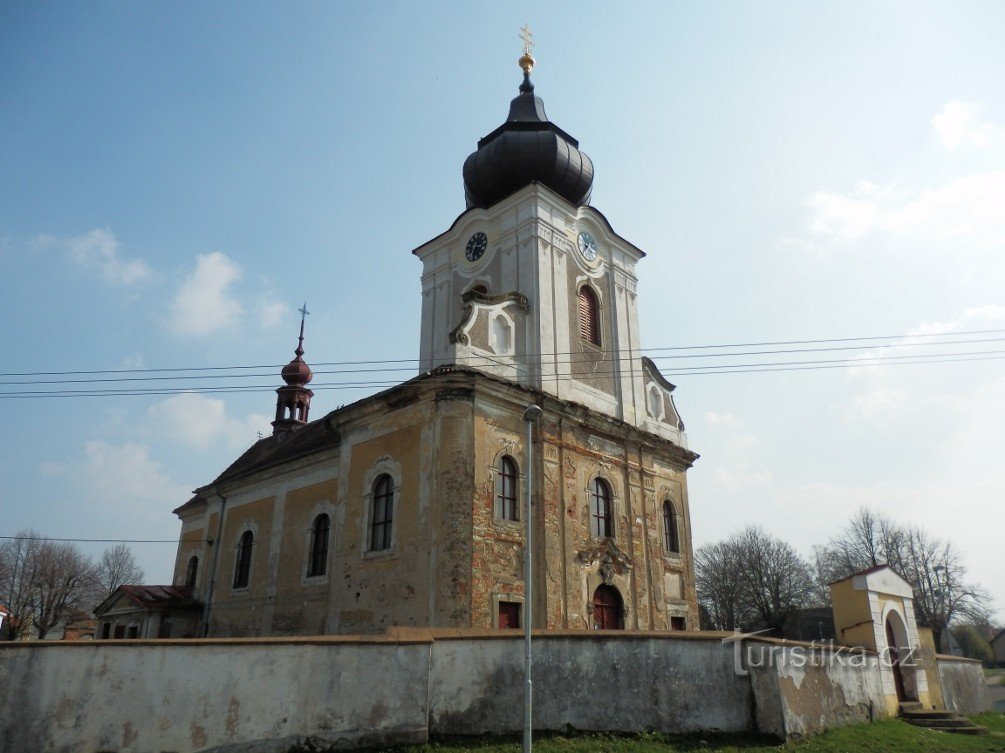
<point>963,686</point>
<point>803,691</point>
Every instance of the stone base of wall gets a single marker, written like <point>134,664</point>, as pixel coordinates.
<point>265,695</point>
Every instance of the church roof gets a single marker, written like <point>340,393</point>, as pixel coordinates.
<point>324,434</point>
<point>527,148</point>
<point>151,597</point>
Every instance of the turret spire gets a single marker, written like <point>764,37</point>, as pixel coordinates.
<point>294,400</point>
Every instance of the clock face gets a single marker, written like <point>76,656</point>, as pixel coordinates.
<point>477,244</point>
<point>587,246</point>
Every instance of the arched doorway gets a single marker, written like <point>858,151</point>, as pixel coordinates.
<point>900,659</point>
<point>608,609</point>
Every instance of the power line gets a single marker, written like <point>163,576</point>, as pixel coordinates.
<point>183,378</point>
<point>768,343</point>
<point>317,371</point>
<point>682,371</point>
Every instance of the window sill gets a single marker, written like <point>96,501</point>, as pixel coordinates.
<point>375,555</point>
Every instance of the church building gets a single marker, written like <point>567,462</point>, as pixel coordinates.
<point>406,508</point>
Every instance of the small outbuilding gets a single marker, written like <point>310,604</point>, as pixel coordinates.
<point>874,608</point>
<point>148,612</point>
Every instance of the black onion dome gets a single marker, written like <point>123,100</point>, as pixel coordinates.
<point>524,149</point>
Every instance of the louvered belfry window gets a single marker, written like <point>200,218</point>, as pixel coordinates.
<point>589,316</point>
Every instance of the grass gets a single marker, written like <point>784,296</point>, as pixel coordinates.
<point>889,736</point>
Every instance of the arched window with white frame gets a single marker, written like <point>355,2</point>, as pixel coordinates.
<point>601,517</point>
<point>671,535</point>
<point>507,483</point>
<point>382,514</point>
<point>242,564</point>
<point>320,534</point>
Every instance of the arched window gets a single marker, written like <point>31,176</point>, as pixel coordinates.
<point>589,315</point>
<point>506,486</point>
<point>191,571</point>
<point>600,509</point>
<point>242,567</point>
<point>671,540</point>
<point>319,545</point>
<point>382,518</point>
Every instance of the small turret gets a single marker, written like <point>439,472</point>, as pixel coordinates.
<point>294,401</point>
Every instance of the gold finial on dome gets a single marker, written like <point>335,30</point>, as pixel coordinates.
<point>526,60</point>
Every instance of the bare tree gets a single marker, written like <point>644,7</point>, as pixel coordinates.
<point>775,578</point>
<point>752,577</point>
<point>43,582</point>
<point>65,584</point>
<point>717,581</point>
<point>19,574</point>
<point>933,567</point>
<point>117,567</point>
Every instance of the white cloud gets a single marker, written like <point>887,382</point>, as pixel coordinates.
<point>115,477</point>
<point>202,422</point>
<point>971,208</point>
<point>975,317</point>
<point>958,123</point>
<point>723,420</point>
<point>727,423</point>
<point>134,361</point>
<point>99,249</point>
<point>741,479</point>
<point>843,216</point>
<point>272,313</point>
<point>204,303</point>
<point>875,405</point>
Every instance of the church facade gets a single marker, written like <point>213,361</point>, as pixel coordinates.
<point>407,508</point>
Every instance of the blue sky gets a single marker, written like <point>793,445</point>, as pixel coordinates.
<point>177,178</point>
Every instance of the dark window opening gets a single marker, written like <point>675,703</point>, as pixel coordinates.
<point>600,509</point>
<point>120,631</point>
<point>242,567</point>
<point>134,631</point>
<point>382,523</point>
<point>506,486</point>
<point>106,630</point>
<point>509,615</point>
<point>671,538</point>
<point>191,571</point>
<point>678,623</point>
<point>319,545</point>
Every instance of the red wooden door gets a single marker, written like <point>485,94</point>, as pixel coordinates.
<point>608,609</point>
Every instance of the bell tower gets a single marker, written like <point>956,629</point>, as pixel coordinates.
<point>293,403</point>
<point>533,285</point>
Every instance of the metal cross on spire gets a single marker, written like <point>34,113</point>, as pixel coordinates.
<point>527,60</point>
<point>528,39</point>
<point>304,313</point>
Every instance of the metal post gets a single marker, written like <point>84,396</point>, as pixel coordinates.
<point>530,416</point>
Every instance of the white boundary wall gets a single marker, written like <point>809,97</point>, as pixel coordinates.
<point>264,695</point>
